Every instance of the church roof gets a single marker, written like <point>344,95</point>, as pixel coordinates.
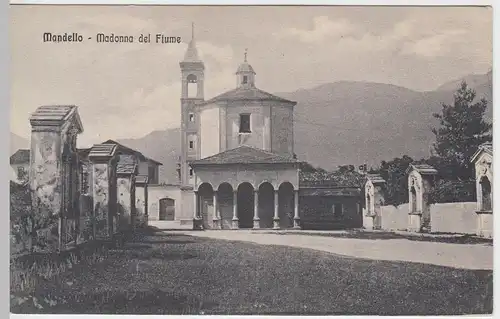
<point>191,54</point>
<point>244,154</point>
<point>248,94</point>
<point>245,68</point>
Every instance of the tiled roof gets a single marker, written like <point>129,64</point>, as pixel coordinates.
<point>331,179</point>
<point>141,179</point>
<point>102,150</point>
<point>244,154</point>
<point>52,112</point>
<point>247,94</point>
<point>423,169</point>
<point>56,115</point>
<point>128,149</point>
<point>21,156</point>
<point>126,164</point>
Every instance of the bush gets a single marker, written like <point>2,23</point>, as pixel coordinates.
<point>453,191</point>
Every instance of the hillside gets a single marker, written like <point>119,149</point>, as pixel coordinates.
<point>17,142</point>
<point>343,123</point>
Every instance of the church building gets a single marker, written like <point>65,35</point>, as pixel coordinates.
<point>238,168</point>
<point>237,152</point>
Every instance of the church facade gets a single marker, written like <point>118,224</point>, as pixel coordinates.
<point>238,168</point>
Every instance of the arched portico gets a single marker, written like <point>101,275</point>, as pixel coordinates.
<point>286,205</point>
<point>245,208</point>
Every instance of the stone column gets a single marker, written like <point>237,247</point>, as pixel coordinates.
<point>197,222</point>
<point>103,161</point>
<point>276,219</point>
<point>217,219</point>
<point>235,224</point>
<point>256,219</point>
<point>296,217</point>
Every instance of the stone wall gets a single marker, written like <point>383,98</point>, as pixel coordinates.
<point>394,217</point>
<point>316,212</point>
<point>157,192</point>
<point>454,218</point>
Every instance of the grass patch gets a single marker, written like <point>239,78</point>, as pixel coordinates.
<point>178,274</point>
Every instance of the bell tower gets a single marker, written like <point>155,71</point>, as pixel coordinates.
<point>192,78</point>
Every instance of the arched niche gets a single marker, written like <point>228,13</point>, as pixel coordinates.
<point>374,192</point>
<point>420,184</point>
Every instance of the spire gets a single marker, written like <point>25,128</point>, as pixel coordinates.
<point>191,52</point>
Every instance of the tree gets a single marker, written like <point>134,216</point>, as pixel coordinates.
<point>462,129</point>
<point>394,173</point>
<point>308,168</point>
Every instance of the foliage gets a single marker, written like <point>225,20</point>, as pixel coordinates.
<point>308,168</point>
<point>462,130</point>
<point>394,173</point>
<point>447,191</point>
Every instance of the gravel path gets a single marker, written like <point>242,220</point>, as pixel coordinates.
<point>464,256</point>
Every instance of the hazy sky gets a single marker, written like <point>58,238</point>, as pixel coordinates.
<point>128,90</point>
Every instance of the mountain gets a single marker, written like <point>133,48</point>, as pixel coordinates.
<point>17,142</point>
<point>162,146</point>
<point>341,123</point>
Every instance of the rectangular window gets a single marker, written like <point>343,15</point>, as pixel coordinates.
<point>191,117</point>
<point>191,144</point>
<point>191,172</point>
<point>245,79</point>
<point>245,123</point>
<point>338,210</point>
<point>151,175</point>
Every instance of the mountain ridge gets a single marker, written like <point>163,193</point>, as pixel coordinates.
<point>345,122</point>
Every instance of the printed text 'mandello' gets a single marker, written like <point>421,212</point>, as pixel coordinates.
<point>71,37</point>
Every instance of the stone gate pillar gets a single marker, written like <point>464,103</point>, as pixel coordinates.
<point>53,169</point>
<point>420,183</point>
<point>374,200</point>
<point>103,161</point>
<point>141,200</point>
<point>126,170</point>
<point>483,164</point>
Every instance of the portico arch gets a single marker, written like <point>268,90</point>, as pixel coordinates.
<point>245,205</point>
<point>266,204</point>
<point>286,204</point>
<point>225,204</point>
<point>206,205</point>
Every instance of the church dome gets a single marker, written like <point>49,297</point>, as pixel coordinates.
<point>245,68</point>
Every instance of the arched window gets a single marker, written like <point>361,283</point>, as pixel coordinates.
<point>192,85</point>
<point>413,202</point>
<point>486,194</point>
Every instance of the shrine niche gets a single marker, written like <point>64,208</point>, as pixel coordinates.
<point>420,184</point>
<point>126,171</point>
<point>483,159</point>
<point>54,171</point>
<point>374,199</point>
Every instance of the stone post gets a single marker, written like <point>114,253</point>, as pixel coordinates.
<point>217,219</point>
<point>256,219</point>
<point>126,171</point>
<point>235,224</point>
<point>141,200</point>
<point>420,184</point>
<point>103,161</point>
<point>374,200</point>
<point>276,219</point>
<point>53,139</point>
<point>296,217</point>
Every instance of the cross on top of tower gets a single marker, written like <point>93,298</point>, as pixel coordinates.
<point>246,52</point>
<point>192,30</point>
